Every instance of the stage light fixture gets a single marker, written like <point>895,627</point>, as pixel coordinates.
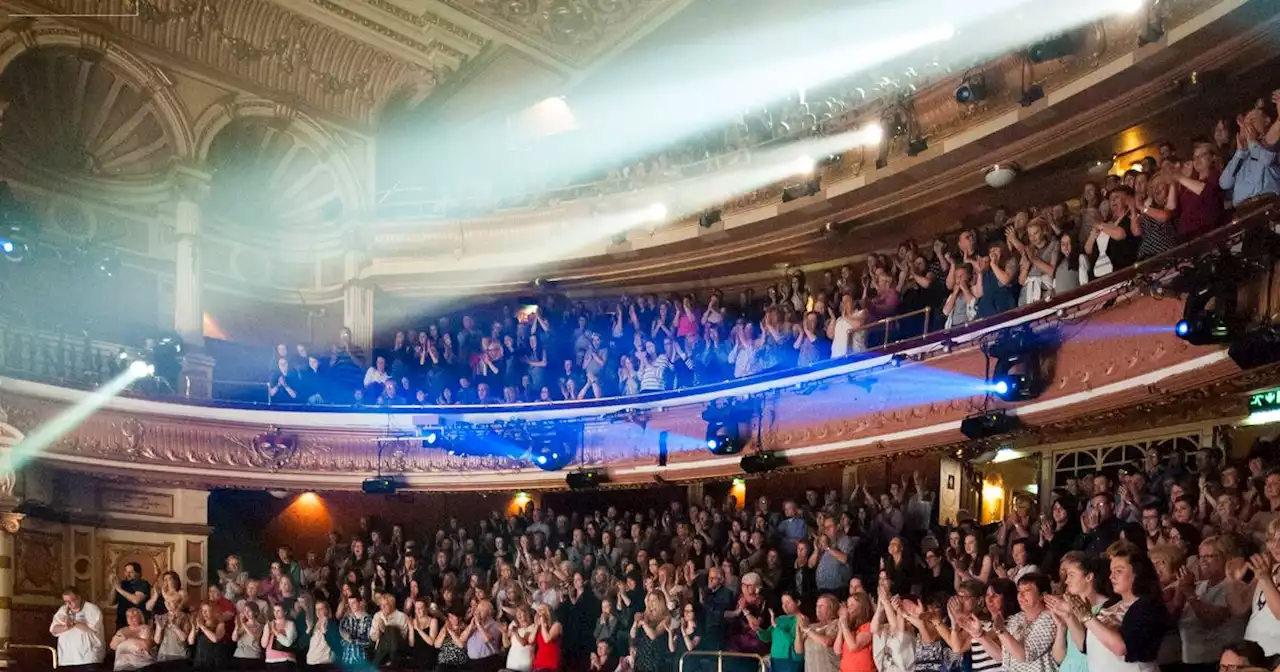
<point>1209,315</point>
<point>1030,95</point>
<point>1014,387</point>
<point>762,461</point>
<point>551,455</point>
<point>436,439</point>
<point>107,263</point>
<point>655,213</point>
<point>585,479</point>
<point>1257,347</point>
<point>382,485</point>
<point>724,439</point>
<point>871,135</point>
<point>973,88</point>
<point>1052,48</point>
<point>141,369</point>
<point>709,218</point>
<point>809,188</point>
<point>917,146</point>
<point>1149,33</point>
<point>987,425</point>
<point>1016,375</point>
<point>14,251</point>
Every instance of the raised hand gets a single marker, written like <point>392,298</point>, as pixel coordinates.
<point>1186,582</point>
<point>1261,564</point>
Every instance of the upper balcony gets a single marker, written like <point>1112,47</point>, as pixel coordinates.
<point>1108,358</point>
<point>434,241</point>
<point>316,214</point>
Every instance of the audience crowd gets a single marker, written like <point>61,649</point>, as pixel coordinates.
<point>586,350</point>
<point>1172,563</point>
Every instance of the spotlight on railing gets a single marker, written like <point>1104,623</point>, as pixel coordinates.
<point>973,88</point>
<point>585,479</point>
<point>987,425</point>
<point>762,462</point>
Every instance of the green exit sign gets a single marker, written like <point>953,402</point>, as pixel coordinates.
<point>1262,402</point>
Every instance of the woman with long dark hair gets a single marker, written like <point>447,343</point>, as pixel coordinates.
<point>1087,585</point>
<point>1125,636</point>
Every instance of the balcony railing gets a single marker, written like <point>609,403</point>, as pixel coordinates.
<point>78,361</point>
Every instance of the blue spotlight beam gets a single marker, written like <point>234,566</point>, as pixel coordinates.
<point>50,432</point>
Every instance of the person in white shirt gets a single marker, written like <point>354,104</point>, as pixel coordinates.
<point>78,627</point>
<point>842,330</point>
<point>389,631</point>
<point>377,374</point>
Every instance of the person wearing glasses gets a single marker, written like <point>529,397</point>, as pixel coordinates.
<point>1214,608</point>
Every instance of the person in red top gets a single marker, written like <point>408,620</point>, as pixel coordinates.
<point>546,649</point>
<point>222,608</point>
<point>853,639</point>
<point>1200,199</point>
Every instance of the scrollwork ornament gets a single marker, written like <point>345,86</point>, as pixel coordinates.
<point>134,435</point>
<point>11,522</point>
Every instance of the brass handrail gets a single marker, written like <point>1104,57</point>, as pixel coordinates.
<point>888,322</point>
<point>52,651</point>
<point>720,656</point>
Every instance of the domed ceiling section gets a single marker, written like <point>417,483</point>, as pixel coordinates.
<point>267,179</point>
<point>73,115</point>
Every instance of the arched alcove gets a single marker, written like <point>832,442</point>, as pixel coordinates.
<point>267,178</point>
<point>71,113</point>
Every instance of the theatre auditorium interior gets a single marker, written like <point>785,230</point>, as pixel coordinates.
<point>582,335</point>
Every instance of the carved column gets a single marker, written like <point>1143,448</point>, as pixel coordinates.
<point>357,301</point>
<point>191,187</point>
<point>695,492</point>
<point>10,522</point>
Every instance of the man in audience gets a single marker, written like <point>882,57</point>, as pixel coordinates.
<point>78,627</point>
<point>1253,169</point>
<point>132,591</point>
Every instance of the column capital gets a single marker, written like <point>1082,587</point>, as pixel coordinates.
<point>189,183</point>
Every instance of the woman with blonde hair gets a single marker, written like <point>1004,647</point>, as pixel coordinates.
<point>818,639</point>
<point>1264,621</point>
<point>132,643</point>
<point>519,639</point>
<point>171,630</point>
<point>649,634</point>
<point>547,640</point>
<point>1213,608</point>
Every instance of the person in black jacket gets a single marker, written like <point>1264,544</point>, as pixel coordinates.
<point>1104,528</point>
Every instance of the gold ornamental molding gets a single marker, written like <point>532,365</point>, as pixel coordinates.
<point>573,32</point>
<point>275,51</point>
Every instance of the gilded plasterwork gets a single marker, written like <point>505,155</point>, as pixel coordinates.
<point>270,46</point>
<point>119,500</point>
<point>39,563</point>
<point>572,31</point>
<point>155,559</point>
